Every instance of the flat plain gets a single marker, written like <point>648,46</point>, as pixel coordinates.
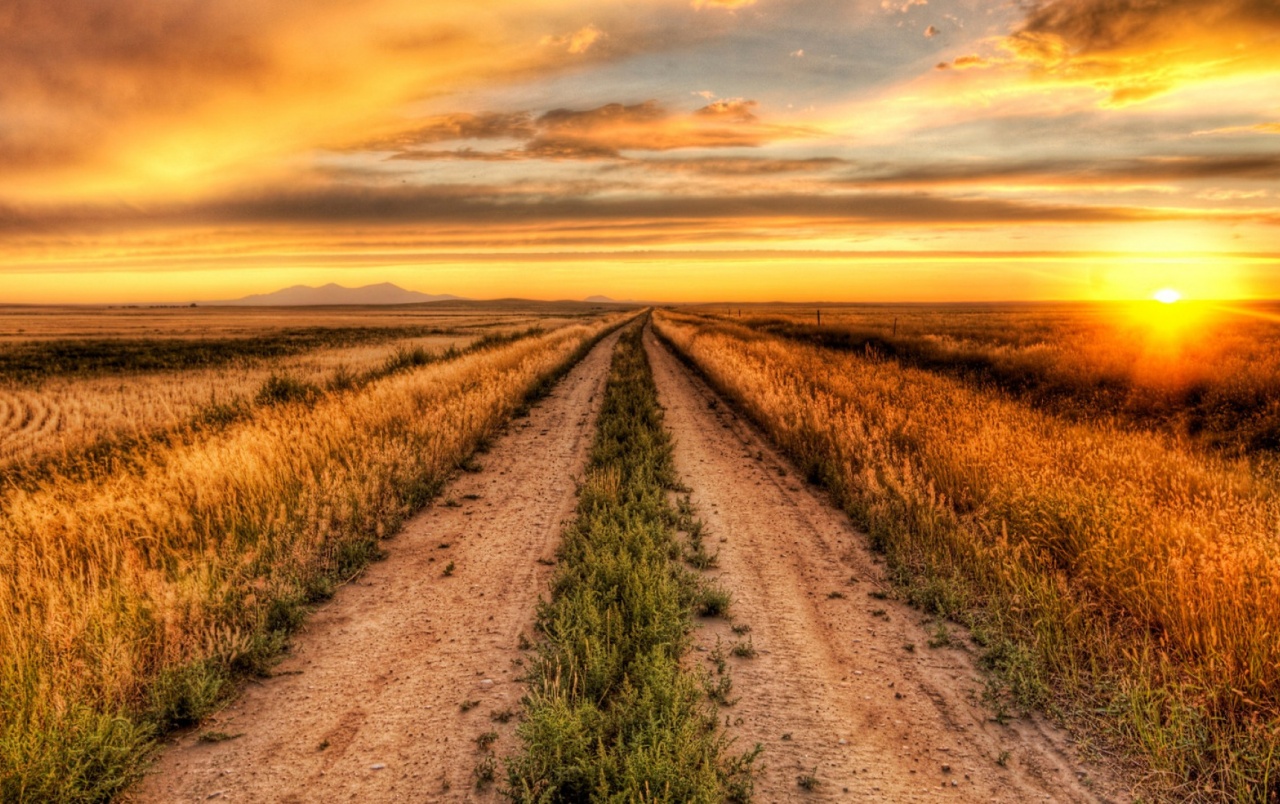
<point>957,553</point>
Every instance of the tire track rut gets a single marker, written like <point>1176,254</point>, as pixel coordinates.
<point>366,707</point>
<point>844,688</point>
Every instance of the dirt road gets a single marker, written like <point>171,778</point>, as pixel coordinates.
<point>844,689</point>
<point>369,705</point>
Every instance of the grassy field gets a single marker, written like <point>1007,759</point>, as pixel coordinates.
<point>1124,580</point>
<point>612,714</point>
<point>141,584</point>
<point>76,381</point>
<point>1199,371</point>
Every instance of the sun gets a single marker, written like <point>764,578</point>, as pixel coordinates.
<point>1167,296</point>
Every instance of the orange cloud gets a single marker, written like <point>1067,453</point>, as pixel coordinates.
<point>578,42</point>
<point>728,4</point>
<point>600,133</point>
<point>902,6</point>
<point>147,100</point>
<point>1134,50</point>
<point>1264,128</point>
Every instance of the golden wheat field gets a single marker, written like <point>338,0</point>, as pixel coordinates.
<point>1206,371</point>
<point>55,399</point>
<point>1106,546</point>
<point>1128,579</point>
<point>143,575</point>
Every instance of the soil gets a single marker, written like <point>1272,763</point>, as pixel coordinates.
<point>369,704</point>
<point>844,692</point>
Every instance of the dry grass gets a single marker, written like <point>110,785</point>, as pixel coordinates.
<point>133,594</point>
<point>21,324</point>
<point>74,378</point>
<point>1207,372</point>
<point>1129,584</point>
<point>64,414</point>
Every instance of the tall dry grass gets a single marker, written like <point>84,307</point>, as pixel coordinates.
<point>1129,585</point>
<point>1208,372</point>
<point>68,413</point>
<point>132,597</point>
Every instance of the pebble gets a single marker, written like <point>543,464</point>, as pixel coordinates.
<point>486,684</point>
<point>377,766</point>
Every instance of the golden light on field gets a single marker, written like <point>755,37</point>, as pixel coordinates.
<point>1167,296</point>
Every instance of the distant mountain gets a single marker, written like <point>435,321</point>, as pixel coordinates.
<point>607,300</point>
<point>331,294</point>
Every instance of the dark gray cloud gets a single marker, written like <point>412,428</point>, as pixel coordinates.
<point>479,205</point>
<point>602,132</point>
<point>741,166</point>
<point>1069,172</point>
<point>461,126</point>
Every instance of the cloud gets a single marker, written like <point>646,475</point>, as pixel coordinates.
<point>731,5</point>
<point>1074,173</point>
<point>460,126</point>
<point>740,166</point>
<point>486,210</point>
<point>967,63</point>
<point>144,99</point>
<point>1134,50</point>
<point>578,42</point>
<point>1256,128</point>
<point>1232,195</point>
<point>901,6</point>
<point>603,132</point>
<point>737,110</point>
<point>456,154</point>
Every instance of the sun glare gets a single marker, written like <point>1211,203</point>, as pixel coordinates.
<point>1167,296</point>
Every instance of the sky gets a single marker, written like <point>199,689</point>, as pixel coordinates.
<point>673,150</point>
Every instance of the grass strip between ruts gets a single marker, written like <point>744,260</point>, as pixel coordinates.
<point>612,714</point>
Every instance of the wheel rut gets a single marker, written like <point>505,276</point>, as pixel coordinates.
<point>368,705</point>
<point>844,692</point>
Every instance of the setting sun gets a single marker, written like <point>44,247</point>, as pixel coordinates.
<point>1167,296</point>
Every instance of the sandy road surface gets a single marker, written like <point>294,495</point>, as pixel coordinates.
<point>367,706</point>
<point>834,692</point>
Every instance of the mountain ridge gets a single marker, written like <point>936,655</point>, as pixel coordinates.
<point>334,294</point>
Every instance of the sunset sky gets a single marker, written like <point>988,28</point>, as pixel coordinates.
<point>682,150</point>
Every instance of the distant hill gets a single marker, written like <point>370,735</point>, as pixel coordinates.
<point>331,294</point>
<point>607,300</point>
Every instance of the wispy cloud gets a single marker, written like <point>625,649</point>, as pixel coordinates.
<point>603,132</point>
<point>726,4</point>
<point>577,42</point>
<point>1073,172</point>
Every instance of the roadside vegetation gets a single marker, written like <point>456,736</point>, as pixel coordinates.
<point>613,713</point>
<point>139,587</point>
<point>75,427</point>
<point>1127,583</point>
<point>1203,372</point>
<point>66,418</point>
<point>34,360</point>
